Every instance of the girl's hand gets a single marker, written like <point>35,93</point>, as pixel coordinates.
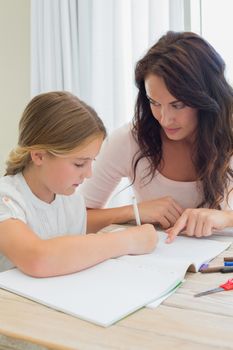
<point>142,239</point>
<point>164,211</point>
<point>200,222</point>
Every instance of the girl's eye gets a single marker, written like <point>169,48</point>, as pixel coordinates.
<point>79,165</point>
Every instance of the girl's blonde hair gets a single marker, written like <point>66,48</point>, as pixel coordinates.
<point>57,122</point>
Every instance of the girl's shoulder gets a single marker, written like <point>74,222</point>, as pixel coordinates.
<point>12,204</point>
<point>9,185</point>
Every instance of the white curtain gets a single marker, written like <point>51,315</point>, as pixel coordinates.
<point>54,46</point>
<point>90,47</point>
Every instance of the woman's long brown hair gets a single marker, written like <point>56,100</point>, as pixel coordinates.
<point>194,74</point>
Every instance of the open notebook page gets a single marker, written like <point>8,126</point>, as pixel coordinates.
<point>188,253</point>
<point>102,294</point>
<point>109,291</point>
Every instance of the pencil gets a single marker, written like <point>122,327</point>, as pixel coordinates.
<point>136,212</point>
<point>229,258</point>
<point>222,269</point>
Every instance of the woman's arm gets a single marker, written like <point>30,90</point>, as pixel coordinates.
<point>201,222</point>
<point>163,211</point>
<point>99,218</point>
<point>68,254</point>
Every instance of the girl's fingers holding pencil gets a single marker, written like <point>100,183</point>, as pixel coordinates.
<point>143,239</point>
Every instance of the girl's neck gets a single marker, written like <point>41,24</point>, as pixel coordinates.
<point>37,186</point>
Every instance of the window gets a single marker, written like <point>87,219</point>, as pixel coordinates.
<point>212,19</point>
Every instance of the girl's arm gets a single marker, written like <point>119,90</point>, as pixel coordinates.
<point>68,254</point>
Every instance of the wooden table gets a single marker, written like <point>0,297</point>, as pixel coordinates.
<point>181,322</point>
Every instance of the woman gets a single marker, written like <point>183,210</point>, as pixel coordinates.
<point>177,152</point>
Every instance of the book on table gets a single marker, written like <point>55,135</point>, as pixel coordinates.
<point>111,290</point>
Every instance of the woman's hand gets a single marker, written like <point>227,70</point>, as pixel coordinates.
<point>200,222</point>
<point>164,211</point>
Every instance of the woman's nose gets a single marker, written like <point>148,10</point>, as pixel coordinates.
<point>166,117</point>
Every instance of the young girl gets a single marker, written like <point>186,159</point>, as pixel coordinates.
<point>177,153</point>
<point>42,218</point>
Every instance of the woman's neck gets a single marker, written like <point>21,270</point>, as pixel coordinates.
<point>177,160</point>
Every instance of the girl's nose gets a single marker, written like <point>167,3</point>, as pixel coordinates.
<point>88,172</point>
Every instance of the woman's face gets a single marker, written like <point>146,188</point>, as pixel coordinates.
<point>178,121</point>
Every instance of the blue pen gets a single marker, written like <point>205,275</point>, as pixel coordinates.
<point>228,263</point>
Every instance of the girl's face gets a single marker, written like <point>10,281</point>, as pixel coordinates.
<point>62,174</point>
<point>178,121</point>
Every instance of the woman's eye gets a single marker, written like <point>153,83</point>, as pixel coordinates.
<point>79,165</point>
<point>179,105</point>
<point>154,103</point>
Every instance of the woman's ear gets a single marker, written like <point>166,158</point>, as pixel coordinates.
<point>37,157</point>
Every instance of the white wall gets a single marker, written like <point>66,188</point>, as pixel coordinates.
<point>14,70</point>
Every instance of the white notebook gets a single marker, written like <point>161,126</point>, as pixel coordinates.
<point>111,290</point>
